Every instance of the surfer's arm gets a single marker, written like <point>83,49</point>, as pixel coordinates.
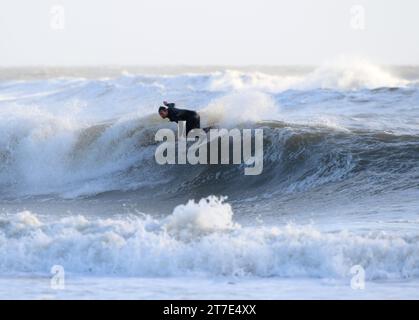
<point>169,105</point>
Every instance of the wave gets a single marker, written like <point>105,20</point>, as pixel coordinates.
<point>81,137</point>
<point>343,74</point>
<point>42,155</point>
<point>198,239</point>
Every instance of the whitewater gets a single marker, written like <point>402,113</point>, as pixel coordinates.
<point>80,187</point>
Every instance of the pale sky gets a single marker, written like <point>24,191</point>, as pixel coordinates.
<point>206,32</point>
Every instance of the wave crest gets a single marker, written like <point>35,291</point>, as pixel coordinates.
<point>135,246</point>
<point>343,74</point>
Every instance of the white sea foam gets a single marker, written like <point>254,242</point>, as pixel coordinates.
<point>348,74</point>
<point>238,108</point>
<point>195,219</point>
<point>43,152</point>
<point>343,73</point>
<point>198,238</point>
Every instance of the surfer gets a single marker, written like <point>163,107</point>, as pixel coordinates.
<point>169,111</point>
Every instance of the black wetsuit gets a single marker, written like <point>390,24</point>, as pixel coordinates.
<point>192,118</point>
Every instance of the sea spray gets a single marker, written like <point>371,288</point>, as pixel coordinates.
<point>200,218</point>
<point>198,238</point>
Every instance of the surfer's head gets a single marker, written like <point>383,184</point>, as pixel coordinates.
<point>163,112</point>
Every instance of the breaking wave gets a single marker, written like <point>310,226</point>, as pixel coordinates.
<point>198,239</point>
<point>74,137</point>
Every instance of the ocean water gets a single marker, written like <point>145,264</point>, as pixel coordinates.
<point>80,188</point>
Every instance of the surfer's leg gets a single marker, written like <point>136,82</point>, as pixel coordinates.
<point>193,123</point>
<point>197,122</point>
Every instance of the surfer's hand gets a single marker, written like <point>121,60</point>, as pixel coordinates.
<point>165,103</point>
